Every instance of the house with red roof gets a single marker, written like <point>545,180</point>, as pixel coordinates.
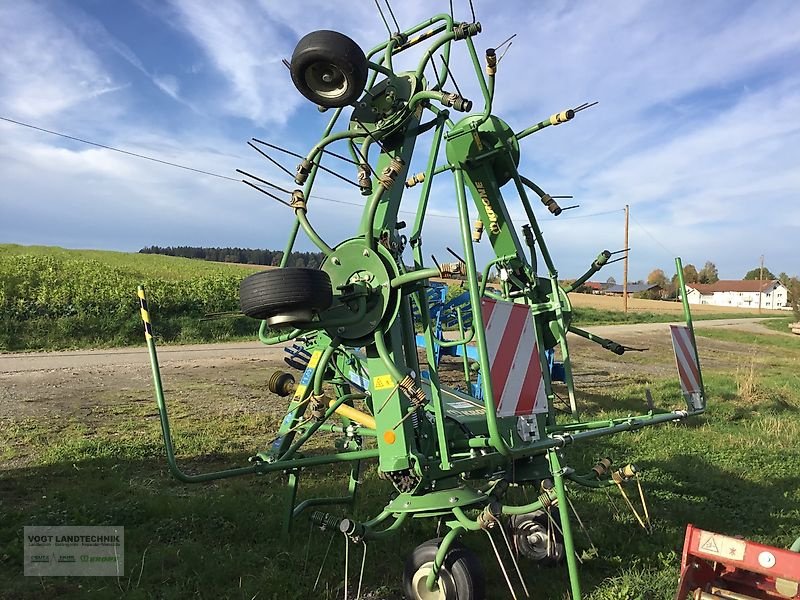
<point>739,293</point>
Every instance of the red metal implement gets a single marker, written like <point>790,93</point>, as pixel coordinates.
<point>719,566</point>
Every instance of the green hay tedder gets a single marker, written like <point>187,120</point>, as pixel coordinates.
<point>446,453</point>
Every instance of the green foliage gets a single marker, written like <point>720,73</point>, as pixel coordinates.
<point>249,256</point>
<point>781,324</point>
<point>658,277</point>
<point>757,274</point>
<point>62,299</point>
<point>690,274</point>
<point>794,296</point>
<point>709,273</point>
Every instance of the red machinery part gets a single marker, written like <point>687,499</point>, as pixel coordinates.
<point>717,566</point>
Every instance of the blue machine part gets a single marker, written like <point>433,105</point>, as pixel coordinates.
<point>298,356</point>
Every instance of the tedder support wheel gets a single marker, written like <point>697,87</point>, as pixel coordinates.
<point>285,295</point>
<point>460,578</point>
<point>531,532</point>
<point>329,68</point>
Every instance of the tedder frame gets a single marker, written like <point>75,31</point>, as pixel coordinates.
<point>449,455</point>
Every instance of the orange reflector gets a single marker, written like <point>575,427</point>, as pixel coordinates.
<point>389,437</point>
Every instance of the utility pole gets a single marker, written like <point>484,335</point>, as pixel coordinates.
<point>625,267</point>
<point>760,284</point>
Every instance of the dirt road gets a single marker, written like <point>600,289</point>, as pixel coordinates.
<point>204,354</point>
<point>85,385</point>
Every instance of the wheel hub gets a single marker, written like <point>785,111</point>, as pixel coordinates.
<point>352,262</point>
<point>327,80</point>
<point>420,586</point>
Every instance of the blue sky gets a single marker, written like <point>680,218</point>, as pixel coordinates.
<point>698,126</point>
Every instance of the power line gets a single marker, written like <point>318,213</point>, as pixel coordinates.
<point>597,214</point>
<point>220,176</point>
<point>129,153</point>
<point>640,226</point>
<point>150,158</point>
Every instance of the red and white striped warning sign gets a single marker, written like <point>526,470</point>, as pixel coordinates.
<point>688,365</point>
<point>514,364</point>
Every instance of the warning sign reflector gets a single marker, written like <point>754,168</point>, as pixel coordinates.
<point>688,366</point>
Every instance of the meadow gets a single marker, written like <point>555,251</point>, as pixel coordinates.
<point>85,447</point>
<point>735,470</point>
<point>54,299</point>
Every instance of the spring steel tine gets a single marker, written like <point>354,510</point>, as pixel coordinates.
<point>300,156</point>
<point>580,522</point>
<point>612,503</point>
<point>385,402</point>
<point>449,73</point>
<point>264,181</point>
<point>346,562</point>
<point>391,12</point>
<point>270,159</point>
<point>504,42</point>
<point>630,505</point>
<point>263,191</point>
<point>499,58</point>
<point>383,18</point>
<point>511,553</point>
<point>500,564</point>
<point>408,414</point>
<point>584,106</point>
<point>364,158</point>
<point>324,558</point>
<point>368,133</point>
<point>361,574</point>
<point>644,504</point>
<point>308,545</point>
<point>552,520</point>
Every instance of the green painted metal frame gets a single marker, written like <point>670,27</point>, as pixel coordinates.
<point>483,155</point>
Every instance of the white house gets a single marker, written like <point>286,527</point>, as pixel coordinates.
<point>739,293</point>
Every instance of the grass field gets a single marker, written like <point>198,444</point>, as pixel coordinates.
<point>736,470</point>
<point>52,298</point>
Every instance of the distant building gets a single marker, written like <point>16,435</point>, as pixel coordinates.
<point>739,293</point>
<point>633,288</point>
<point>594,287</point>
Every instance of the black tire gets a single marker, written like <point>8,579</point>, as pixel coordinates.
<point>270,293</point>
<point>329,68</point>
<point>530,532</point>
<point>460,578</point>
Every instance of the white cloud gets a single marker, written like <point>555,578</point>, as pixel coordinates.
<point>697,127</point>
<point>44,68</point>
<point>246,47</point>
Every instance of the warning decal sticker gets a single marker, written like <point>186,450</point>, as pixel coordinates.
<point>721,546</point>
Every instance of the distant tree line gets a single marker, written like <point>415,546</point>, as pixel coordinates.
<point>247,256</point>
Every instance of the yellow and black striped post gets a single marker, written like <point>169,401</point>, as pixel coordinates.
<point>162,410</point>
<point>148,327</point>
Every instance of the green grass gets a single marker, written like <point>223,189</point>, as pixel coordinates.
<point>595,316</point>
<point>735,470</point>
<point>52,298</point>
<point>781,324</point>
<point>742,337</point>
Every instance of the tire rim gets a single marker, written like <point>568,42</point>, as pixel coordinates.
<point>534,540</point>
<point>421,591</point>
<point>326,80</point>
